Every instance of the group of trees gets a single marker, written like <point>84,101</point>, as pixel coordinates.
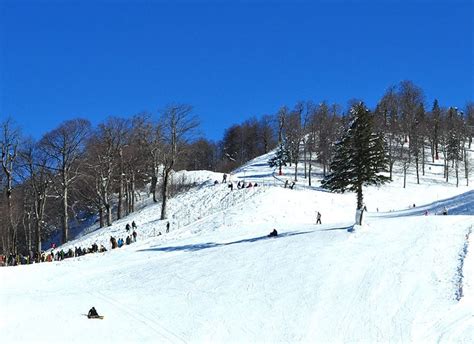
<point>77,170</point>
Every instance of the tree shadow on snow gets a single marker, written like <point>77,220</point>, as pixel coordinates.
<point>345,229</point>
<point>462,204</point>
<point>198,247</point>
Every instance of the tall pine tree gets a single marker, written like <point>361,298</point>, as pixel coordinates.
<point>359,157</point>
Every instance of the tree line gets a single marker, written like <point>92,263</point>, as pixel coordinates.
<point>76,170</point>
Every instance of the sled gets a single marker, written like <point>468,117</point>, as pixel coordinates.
<point>94,317</point>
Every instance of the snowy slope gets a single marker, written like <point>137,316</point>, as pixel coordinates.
<point>217,278</point>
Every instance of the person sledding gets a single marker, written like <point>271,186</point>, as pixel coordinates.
<point>93,314</point>
<point>273,233</point>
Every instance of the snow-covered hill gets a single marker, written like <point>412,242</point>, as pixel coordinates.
<point>216,277</point>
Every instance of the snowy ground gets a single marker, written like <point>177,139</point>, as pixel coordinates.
<point>217,278</point>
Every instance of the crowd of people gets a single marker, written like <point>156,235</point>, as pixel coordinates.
<point>128,240</point>
<point>49,256</point>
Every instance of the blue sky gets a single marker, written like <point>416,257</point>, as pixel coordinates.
<point>230,60</point>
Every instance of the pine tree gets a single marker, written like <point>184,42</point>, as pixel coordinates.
<point>359,157</point>
<point>280,158</point>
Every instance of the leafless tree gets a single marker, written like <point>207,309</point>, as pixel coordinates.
<point>65,146</point>
<point>387,115</point>
<point>9,142</point>
<point>37,177</point>
<point>411,98</point>
<point>294,135</point>
<point>179,125</point>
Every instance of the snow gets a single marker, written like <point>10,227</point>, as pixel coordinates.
<point>216,277</point>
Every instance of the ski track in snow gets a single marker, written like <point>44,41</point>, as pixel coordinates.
<point>217,278</point>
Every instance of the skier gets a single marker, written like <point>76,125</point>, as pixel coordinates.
<point>93,314</point>
<point>224,178</point>
<point>445,211</point>
<point>231,186</point>
<point>127,227</point>
<point>273,233</point>
<point>134,225</point>
<point>318,218</point>
<point>292,185</point>
<point>134,234</point>
<point>167,227</point>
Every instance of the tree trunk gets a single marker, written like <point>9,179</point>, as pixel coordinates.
<point>101,217</point>
<point>360,197</point>
<point>120,196</point>
<point>38,236</point>
<point>154,181</point>
<point>309,169</point>
<point>466,166</point>
<point>132,191</point>
<point>164,193</point>
<point>423,158</point>
<point>457,172</point>
<point>304,158</point>
<point>404,176</point>
<point>65,216</point>
<point>417,169</point>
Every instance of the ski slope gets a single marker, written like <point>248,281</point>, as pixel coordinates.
<point>217,278</point>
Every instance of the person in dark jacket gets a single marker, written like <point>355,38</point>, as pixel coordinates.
<point>134,225</point>
<point>127,227</point>
<point>113,241</point>
<point>92,313</point>
<point>273,233</point>
<point>167,227</point>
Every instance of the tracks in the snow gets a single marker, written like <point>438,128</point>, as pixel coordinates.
<point>165,334</point>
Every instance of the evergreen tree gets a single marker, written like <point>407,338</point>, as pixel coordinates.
<point>359,157</point>
<point>280,158</point>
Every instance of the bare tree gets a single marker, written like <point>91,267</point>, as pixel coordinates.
<point>65,146</point>
<point>387,113</point>
<point>37,178</point>
<point>178,125</point>
<point>294,135</point>
<point>411,98</point>
<point>9,142</point>
<point>266,133</point>
<point>470,122</point>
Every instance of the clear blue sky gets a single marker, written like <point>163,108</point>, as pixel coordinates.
<point>93,59</point>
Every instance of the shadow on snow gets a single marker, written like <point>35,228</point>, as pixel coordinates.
<point>458,205</point>
<point>198,247</point>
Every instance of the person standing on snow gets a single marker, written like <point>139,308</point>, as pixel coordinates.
<point>318,218</point>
